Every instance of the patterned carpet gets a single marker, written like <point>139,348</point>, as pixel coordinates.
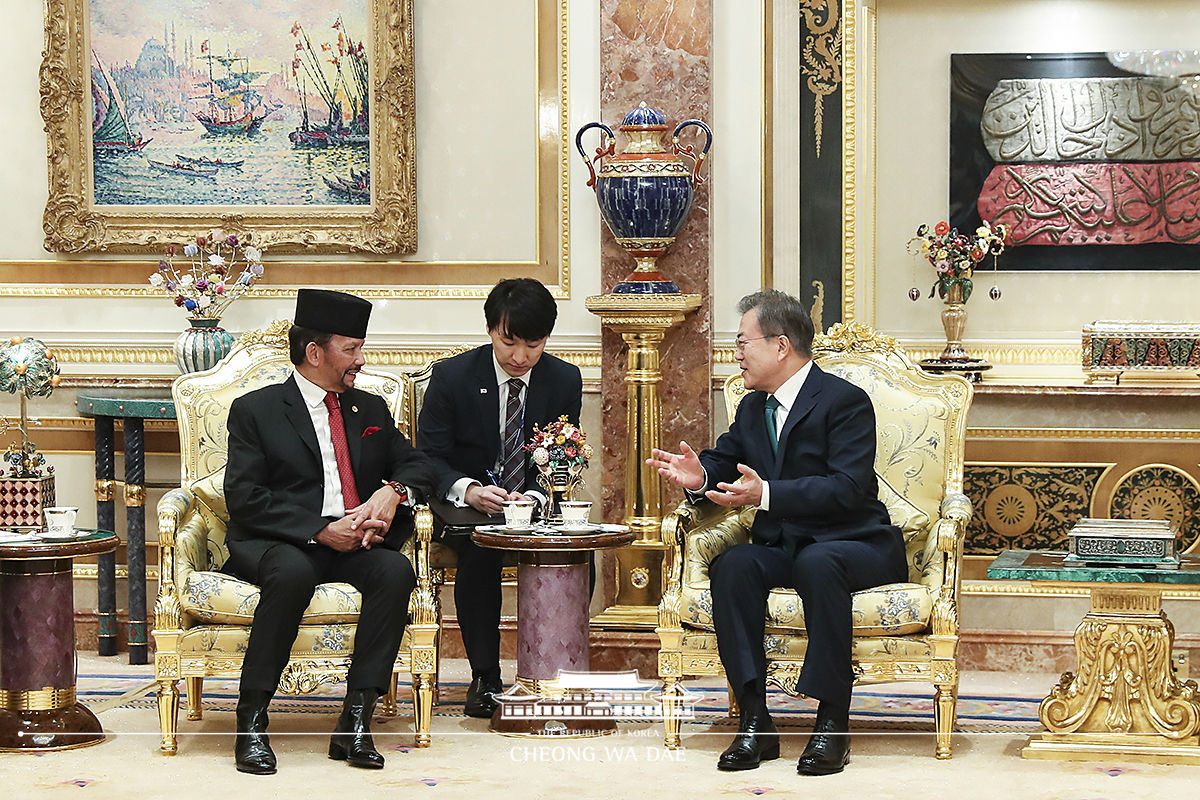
<point>891,752</point>
<point>894,707</point>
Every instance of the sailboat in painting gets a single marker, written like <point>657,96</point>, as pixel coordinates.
<point>233,106</point>
<point>111,134</point>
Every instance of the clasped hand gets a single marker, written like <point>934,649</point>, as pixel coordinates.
<point>684,469</point>
<point>364,525</point>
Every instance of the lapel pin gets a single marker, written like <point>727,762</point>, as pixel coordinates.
<point>354,409</point>
<point>483,390</point>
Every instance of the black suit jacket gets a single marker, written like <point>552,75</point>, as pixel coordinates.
<point>274,483</point>
<point>823,483</point>
<point>459,425</point>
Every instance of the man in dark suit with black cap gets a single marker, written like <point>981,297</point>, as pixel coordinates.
<point>320,485</point>
<point>479,411</point>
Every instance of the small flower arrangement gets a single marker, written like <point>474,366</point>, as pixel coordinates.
<point>559,444</point>
<point>209,279</point>
<point>954,255</point>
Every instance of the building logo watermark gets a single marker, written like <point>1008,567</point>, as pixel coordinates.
<point>595,696</point>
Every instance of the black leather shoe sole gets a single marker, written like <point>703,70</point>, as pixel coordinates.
<point>747,761</point>
<point>481,708</point>
<point>256,769</point>
<point>817,768</point>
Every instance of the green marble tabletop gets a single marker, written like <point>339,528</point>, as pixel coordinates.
<point>1031,565</point>
<point>113,403</point>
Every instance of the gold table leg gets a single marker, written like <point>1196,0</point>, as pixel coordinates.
<point>1124,701</point>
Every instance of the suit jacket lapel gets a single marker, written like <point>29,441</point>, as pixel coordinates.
<point>488,403</point>
<point>297,414</point>
<point>537,401</point>
<point>805,402</point>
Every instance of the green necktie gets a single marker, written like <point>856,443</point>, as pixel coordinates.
<point>769,415</point>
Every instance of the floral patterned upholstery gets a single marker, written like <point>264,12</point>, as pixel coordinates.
<point>203,617</point>
<point>902,631</point>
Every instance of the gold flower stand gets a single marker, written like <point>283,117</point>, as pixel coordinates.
<point>1123,701</point>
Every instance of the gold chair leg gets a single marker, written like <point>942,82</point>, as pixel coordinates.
<point>195,698</point>
<point>422,687</point>
<point>671,713</point>
<point>388,709</point>
<point>168,715</point>
<point>945,699</point>
<point>734,710</point>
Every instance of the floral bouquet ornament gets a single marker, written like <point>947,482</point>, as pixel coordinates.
<point>27,369</point>
<point>954,256</point>
<point>560,452</point>
<point>203,277</point>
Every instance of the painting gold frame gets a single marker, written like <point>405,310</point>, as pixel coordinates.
<point>72,223</point>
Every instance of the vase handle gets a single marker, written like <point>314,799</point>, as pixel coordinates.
<point>689,151</point>
<point>608,146</point>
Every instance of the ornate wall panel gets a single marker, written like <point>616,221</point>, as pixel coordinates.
<point>1029,486</point>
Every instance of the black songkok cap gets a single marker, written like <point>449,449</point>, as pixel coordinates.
<point>332,312</point>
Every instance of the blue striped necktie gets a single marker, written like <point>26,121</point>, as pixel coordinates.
<point>769,416</point>
<point>512,469</point>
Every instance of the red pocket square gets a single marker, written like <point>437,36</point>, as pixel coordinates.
<point>371,430</point>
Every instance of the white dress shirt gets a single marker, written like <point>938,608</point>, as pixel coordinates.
<point>786,394</point>
<point>332,503</point>
<point>458,492</point>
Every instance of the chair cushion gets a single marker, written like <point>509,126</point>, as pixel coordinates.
<point>891,610</point>
<point>866,648</point>
<point>910,519</point>
<point>217,597</point>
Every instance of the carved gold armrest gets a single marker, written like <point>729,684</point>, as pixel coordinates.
<point>951,531</point>
<point>172,509</point>
<point>423,607</point>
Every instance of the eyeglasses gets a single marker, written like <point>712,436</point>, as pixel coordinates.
<point>739,344</point>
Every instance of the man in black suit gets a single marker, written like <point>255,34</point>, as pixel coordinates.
<point>478,413</point>
<point>803,446</point>
<point>320,485</point>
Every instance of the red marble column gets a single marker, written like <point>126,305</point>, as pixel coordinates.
<point>659,51</point>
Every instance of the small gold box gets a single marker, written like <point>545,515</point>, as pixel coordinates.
<point>1142,543</point>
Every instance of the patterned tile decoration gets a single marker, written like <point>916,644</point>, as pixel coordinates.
<point>1111,348</point>
<point>22,501</point>
<point>1159,491</point>
<point>1027,507</point>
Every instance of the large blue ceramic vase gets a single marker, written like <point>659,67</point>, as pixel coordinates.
<point>645,192</point>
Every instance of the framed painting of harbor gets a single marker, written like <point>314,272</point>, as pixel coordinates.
<point>167,118</point>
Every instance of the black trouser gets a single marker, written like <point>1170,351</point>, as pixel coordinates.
<point>287,575</point>
<point>477,600</point>
<point>824,574</point>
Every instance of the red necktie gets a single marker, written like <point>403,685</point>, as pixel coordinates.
<point>341,451</point>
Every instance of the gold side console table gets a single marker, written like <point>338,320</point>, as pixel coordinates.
<point>1123,700</point>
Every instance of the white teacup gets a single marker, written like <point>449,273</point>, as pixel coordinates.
<point>60,520</point>
<point>518,513</point>
<point>575,513</point>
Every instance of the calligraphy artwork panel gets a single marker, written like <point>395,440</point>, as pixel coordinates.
<point>1093,168</point>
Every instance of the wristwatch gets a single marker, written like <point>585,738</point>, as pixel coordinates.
<point>400,489</point>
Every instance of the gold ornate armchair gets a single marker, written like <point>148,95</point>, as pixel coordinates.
<point>902,632</point>
<point>202,616</point>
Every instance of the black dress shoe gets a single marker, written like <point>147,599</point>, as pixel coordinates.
<point>252,747</point>
<point>756,740</point>
<point>351,741</point>
<point>481,696</point>
<point>828,748</point>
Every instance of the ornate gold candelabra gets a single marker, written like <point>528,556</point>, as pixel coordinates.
<point>642,321</point>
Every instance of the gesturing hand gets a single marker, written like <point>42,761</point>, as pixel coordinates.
<point>746,492</point>
<point>683,467</point>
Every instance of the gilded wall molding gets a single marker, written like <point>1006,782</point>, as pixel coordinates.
<point>1089,434</point>
<point>849,158</point>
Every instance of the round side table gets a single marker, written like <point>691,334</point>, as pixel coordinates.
<point>552,626</point>
<point>38,709</point>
